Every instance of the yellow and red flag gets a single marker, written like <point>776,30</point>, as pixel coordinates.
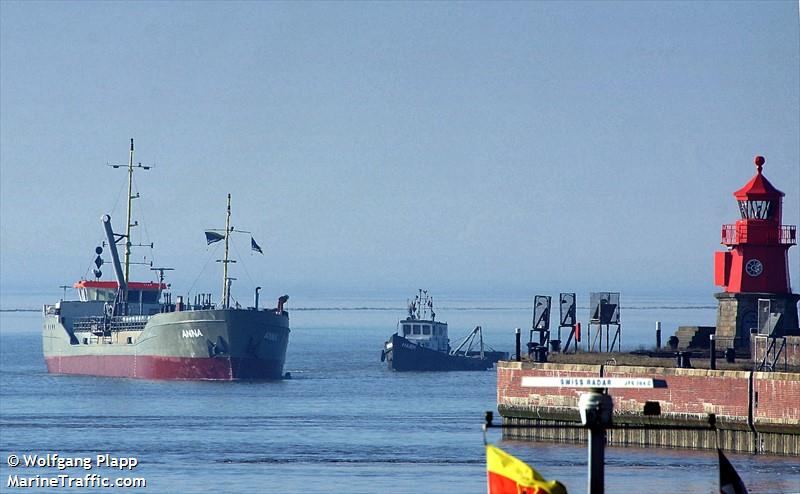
<point>509,475</point>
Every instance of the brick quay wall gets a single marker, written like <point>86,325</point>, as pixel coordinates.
<point>757,412</point>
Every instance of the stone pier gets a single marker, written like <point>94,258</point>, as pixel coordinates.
<point>755,412</point>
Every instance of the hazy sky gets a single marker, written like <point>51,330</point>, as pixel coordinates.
<point>476,148</point>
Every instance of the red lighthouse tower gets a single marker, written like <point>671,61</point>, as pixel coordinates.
<point>754,270</point>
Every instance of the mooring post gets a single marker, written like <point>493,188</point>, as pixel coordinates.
<point>596,410</point>
<point>518,336</point>
<point>597,443</point>
<point>658,335</point>
<point>713,345</point>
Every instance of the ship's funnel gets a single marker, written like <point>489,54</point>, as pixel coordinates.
<point>112,244</point>
<point>281,302</point>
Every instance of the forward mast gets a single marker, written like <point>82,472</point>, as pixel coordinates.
<point>213,235</point>
<point>226,282</point>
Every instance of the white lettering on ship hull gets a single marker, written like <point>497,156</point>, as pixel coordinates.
<point>191,333</point>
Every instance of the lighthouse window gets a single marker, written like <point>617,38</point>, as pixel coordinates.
<point>426,329</point>
<point>416,329</point>
<point>755,210</point>
<point>406,329</point>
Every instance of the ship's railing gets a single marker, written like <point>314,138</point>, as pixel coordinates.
<point>94,339</point>
<point>129,323</point>
<point>737,234</point>
<point>103,324</point>
<point>92,323</point>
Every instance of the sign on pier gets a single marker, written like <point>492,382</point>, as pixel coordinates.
<point>586,382</point>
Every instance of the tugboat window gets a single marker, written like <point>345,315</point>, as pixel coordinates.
<point>426,329</point>
<point>416,329</point>
<point>406,329</point>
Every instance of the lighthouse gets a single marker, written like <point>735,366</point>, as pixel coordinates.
<point>754,268</point>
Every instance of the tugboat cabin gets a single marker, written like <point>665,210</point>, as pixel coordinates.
<point>426,333</point>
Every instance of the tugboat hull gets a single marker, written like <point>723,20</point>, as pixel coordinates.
<point>404,355</point>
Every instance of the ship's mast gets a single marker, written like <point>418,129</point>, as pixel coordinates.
<point>128,222</point>
<point>226,280</point>
<point>225,288</point>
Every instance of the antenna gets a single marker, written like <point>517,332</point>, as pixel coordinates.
<point>161,273</point>
<point>65,291</point>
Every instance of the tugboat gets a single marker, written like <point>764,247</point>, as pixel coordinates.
<point>125,328</point>
<point>425,346</point>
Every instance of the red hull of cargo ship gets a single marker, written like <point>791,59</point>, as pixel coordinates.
<point>153,367</point>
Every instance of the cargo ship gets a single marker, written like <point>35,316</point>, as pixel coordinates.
<point>135,329</point>
<point>425,346</point>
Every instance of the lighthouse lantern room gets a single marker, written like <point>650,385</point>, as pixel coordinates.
<point>754,269</point>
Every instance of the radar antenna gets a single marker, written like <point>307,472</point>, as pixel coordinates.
<point>161,273</point>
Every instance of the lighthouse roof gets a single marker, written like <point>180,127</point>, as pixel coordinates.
<point>758,187</point>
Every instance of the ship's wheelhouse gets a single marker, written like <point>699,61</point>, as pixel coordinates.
<point>106,291</point>
<point>430,334</point>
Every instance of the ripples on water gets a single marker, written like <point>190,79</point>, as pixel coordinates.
<point>342,424</point>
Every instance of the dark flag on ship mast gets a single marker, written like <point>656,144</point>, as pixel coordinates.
<point>729,480</point>
<point>254,246</point>
<point>212,237</point>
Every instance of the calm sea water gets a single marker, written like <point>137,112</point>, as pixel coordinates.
<point>342,424</point>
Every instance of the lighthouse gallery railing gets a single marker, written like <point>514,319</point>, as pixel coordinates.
<point>737,234</point>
